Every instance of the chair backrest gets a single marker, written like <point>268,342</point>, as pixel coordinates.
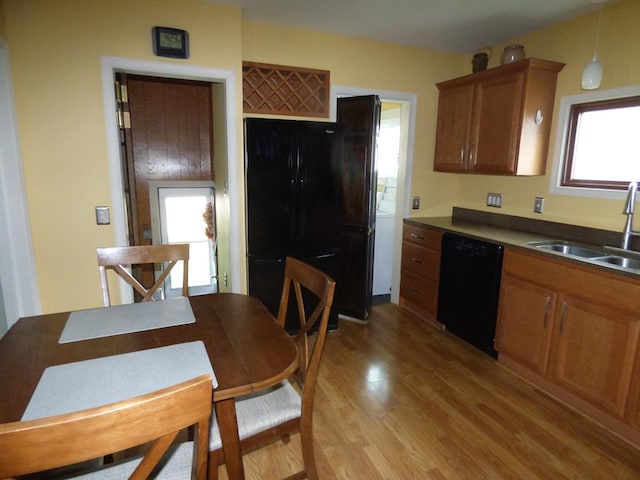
<point>118,258</point>
<point>52,442</point>
<point>318,288</point>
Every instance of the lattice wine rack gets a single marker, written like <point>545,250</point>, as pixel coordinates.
<point>282,90</point>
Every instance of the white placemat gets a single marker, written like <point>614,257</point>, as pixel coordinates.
<point>120,319</point>
<point>91,383</point>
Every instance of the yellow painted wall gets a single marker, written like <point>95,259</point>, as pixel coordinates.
<point>364,63</point>
<point>56,48</point>
<point>571,43</point>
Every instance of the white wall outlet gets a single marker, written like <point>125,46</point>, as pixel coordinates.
<point>538,205</point>
<point>102,216</point>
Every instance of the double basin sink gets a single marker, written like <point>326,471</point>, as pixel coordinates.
<point>610,256</point>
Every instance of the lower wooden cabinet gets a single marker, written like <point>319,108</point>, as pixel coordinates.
<point>593,351</point>
<point>525,313</point>
<point>576,329</point>
<point>634,397</point>
<point>420,274</point>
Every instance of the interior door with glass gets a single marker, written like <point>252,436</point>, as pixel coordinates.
<point>187,215</point>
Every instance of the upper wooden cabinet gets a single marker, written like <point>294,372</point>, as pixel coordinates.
<point>497,121</point>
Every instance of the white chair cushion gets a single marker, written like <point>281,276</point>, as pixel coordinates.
<point>260,411</point>
<point>177,464</point>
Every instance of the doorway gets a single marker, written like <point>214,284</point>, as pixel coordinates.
<point>226,146</point>
<point>407,103</point>
<point>386,196</point>
<point>167,130</point>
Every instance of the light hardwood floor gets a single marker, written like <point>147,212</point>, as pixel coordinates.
<point>398,399</point>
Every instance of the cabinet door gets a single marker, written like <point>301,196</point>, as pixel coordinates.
<point>525,321</point>
<point>634,394</point>
<point>592,352</point>
<point>453,128</point>
<point>496,124</point>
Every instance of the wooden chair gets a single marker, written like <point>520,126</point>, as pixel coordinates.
<point>268,416</point>
<point>52,442</point>
<point>117,258</point>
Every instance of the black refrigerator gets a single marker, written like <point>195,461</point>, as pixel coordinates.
<point>293,203</point>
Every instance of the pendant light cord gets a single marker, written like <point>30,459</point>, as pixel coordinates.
<point>595,49</point>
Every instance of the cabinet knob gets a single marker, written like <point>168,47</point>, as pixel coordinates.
<point>539,117</point>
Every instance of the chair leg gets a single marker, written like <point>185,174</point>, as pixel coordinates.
<point>308,457</point>
<point>214,465</point>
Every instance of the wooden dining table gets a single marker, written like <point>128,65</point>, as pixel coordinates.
<point>247,349</point>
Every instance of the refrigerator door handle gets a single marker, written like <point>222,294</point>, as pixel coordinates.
<point>301,217</point>
<point>293,177</point>
<point>268,260</point>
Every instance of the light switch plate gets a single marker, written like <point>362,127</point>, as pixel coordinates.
<point>416,203</point>
<point>494,200</point>
<point>538,205</point>
<point>102,216</point>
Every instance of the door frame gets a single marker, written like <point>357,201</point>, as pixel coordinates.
<point>111,65</point>
<point>18,277</point>
<point>405,164</point>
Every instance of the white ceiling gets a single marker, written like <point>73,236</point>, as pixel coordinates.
<point>462,26</point>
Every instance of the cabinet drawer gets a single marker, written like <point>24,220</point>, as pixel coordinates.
<point>420,261</point>
<point>419,295</point>
<point>424,236</point>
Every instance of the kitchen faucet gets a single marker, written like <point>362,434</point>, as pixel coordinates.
<point>628,231</point>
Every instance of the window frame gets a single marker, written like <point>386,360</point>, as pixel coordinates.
<point>576,110</point>
<point>570,106</point>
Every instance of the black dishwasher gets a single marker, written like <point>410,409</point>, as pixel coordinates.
<point>469,289</point>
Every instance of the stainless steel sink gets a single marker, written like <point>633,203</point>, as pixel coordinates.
<point>593,255</point>
<point>619,261</point>
<point>569,249</point>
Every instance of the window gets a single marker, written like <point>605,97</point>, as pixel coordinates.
<point>183,211</point>
<point>597,146</point>
<point>601,140</point>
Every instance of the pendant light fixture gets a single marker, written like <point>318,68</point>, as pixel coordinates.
<point>592,73</point>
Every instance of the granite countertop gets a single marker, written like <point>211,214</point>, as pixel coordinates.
<point>482,231</point>
<point>521,232</point>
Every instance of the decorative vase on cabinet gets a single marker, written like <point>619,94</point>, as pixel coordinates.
<point>512,53</point>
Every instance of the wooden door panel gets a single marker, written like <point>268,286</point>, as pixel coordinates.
<point>525,321</point>
<point>360,120</point>
<point>355,184</point>
<point>593,353</point>
<point>352,298</point>
<point>170,138</point>
<point>453,128</point>
<point>497,112</point>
